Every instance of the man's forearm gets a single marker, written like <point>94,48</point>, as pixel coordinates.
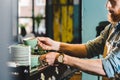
<point>78,50</point>
<point>93,66</point>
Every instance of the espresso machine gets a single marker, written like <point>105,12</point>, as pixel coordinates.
<point>26,65</point>
<point>25,59</point>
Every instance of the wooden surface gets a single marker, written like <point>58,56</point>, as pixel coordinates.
<point>77,76</point>
<point>105,78</point>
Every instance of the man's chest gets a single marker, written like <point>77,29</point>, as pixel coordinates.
<point>112,42</point>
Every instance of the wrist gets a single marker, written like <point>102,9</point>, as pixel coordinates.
<point>63,47</point>
<point>63,58</point>
<point>60,58</point>
<point>57,46</point>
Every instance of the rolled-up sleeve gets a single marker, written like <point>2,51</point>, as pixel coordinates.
<point>111,63</point>
<point>96,46</point>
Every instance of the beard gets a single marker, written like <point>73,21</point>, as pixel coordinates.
<point>114,17</point>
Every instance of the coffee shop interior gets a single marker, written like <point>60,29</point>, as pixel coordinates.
<point>70,21</point>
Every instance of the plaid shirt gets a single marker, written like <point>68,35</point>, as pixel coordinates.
<point>110,37</point>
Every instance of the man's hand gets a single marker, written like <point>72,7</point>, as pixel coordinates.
<point>48,44</point>
<point>50,57</point>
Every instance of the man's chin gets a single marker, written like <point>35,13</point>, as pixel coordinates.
<point>112,19</point>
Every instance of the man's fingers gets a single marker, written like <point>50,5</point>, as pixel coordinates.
<point>42,39</point>
<point>42,57</point>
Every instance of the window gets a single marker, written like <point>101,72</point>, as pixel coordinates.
<point>40,2</point>
<point>31,17</point>
<point>24,2</point>
<point>63,19</point>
